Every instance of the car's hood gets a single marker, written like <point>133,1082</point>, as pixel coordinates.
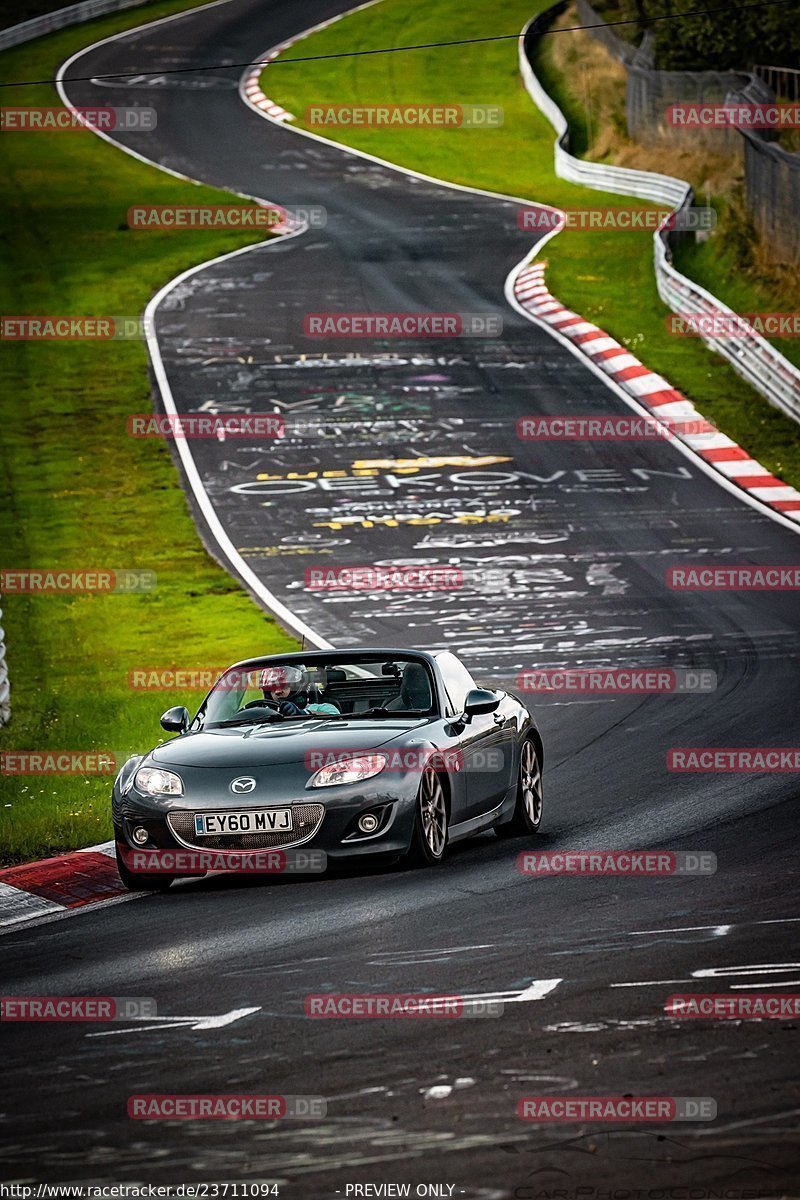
<point>270,745</point>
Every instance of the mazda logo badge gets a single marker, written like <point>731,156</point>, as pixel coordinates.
<point>245,783</point>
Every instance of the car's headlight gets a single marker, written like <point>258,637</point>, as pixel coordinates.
<point>156,782</point>
<point>349,770</point>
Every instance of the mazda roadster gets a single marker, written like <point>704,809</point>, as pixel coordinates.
<point>361,754</point>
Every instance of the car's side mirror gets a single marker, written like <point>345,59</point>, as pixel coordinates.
<point>176,720</point>
<point>480,700</point>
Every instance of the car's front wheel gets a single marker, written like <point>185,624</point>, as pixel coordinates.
<point>135,882</point>
<point>528,809</point>
<point>429,840</point>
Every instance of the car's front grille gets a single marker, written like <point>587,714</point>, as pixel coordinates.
<point>306,820</point>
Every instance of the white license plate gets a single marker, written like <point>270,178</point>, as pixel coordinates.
<point>226,824</point>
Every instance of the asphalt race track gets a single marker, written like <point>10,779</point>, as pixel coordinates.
<point>583,534</point>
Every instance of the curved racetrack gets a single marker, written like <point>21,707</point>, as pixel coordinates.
<point>583,534</point>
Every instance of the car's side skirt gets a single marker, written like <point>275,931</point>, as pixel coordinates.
<point>474,825</point>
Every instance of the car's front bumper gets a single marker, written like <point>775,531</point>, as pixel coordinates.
<point>322,819</point>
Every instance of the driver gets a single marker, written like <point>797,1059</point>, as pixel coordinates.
<point>285,688</point>
<point>288,689</point>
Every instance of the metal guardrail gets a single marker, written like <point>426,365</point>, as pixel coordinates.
<point>74,14</point>
<point>751,356</point>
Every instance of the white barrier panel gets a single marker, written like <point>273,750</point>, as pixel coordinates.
<point>751,356</point>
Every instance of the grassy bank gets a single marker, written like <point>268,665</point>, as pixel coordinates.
<point>606,275</point>
<point>77,491</point>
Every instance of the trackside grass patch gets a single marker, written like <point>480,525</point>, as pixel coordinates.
<point>78,492</point>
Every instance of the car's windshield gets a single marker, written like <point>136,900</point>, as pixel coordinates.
<point>276,691</point>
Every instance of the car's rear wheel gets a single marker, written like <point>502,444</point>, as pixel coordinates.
<point>142,883</point>
<point>429,841</point>
<point>528,809</point>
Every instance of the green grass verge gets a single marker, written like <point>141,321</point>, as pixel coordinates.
<point>607,276</point>
<point>77,492</point>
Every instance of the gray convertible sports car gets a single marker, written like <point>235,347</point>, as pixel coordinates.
<point>363,754</point>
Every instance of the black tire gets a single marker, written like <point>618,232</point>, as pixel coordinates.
<point>142,883</point>
<point>429,839</point>
<point>528,809</point>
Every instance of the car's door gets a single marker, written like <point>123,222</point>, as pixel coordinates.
<point>487,740</point>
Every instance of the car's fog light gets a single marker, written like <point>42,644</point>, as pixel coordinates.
<point>140,835</point>
<point>368,823</point>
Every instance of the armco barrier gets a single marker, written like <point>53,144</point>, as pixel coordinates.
<point>752,357</point>
<point>75,14</point>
